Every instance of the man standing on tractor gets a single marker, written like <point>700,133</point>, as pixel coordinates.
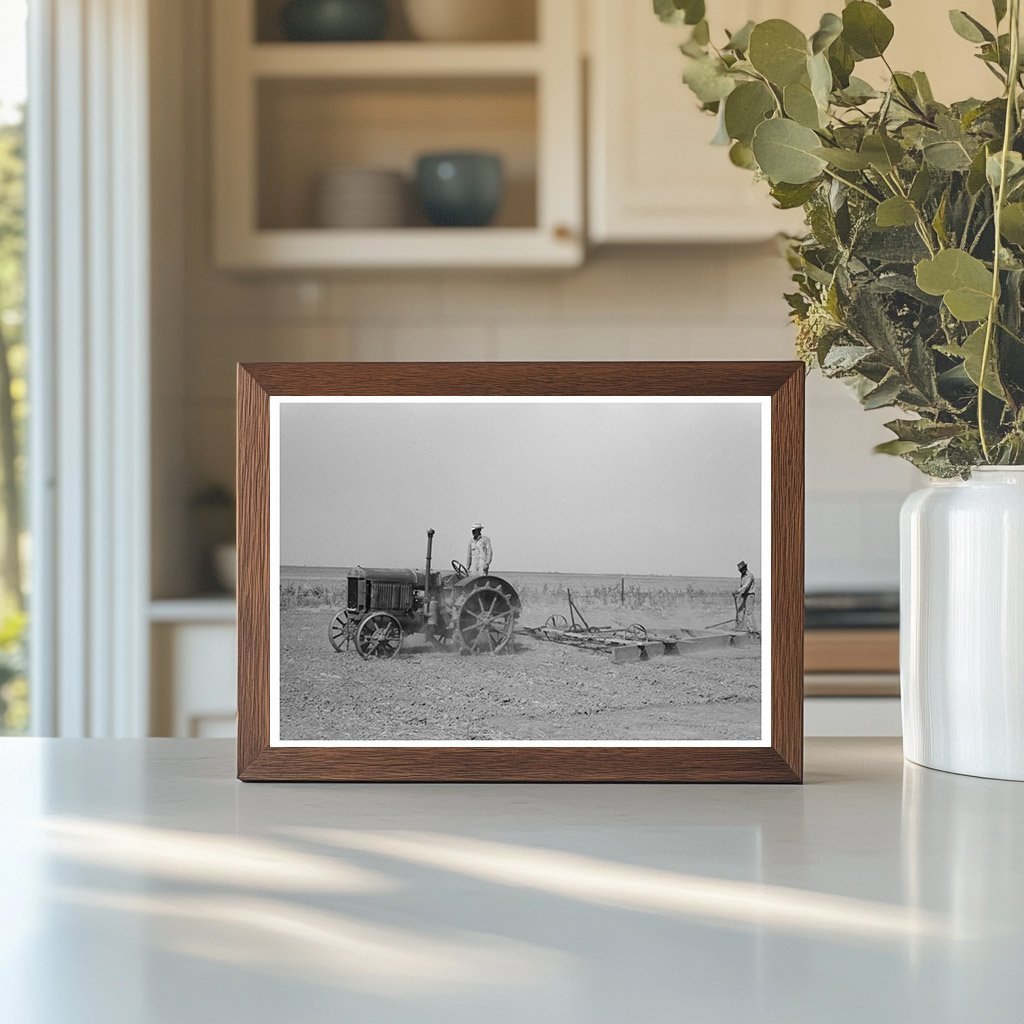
<point>743,593</point>
<point>478,559</point>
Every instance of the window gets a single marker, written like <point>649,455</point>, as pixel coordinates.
<point>14,548</point>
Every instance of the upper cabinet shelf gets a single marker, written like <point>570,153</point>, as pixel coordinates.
<point>316,144</point>
<point>394,59</point>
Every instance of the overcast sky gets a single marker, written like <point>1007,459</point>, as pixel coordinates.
<point>645,488</point>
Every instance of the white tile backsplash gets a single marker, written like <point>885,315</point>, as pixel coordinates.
<point>717,302</point>
<point>648,302</point>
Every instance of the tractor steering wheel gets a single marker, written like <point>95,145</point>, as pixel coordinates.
<point>460,569</point>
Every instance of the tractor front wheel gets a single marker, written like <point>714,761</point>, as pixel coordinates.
<point>486,621</point>
<point>379,636</point>
<point>341,631</point>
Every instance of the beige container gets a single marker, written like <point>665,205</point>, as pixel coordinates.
<point>361,198</point>
<point>467,21</point>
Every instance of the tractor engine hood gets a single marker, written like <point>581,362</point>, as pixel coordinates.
<point>414,576</point>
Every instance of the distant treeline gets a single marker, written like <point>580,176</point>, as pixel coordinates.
<point>683,593</point>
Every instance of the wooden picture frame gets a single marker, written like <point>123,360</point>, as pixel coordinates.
<point>778,759</point>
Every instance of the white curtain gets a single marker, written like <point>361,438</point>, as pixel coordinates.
<point>88,318</point>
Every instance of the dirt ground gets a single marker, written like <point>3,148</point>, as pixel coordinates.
<point>538,691</point>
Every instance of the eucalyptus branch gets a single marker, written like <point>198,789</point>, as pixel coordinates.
<point>1000,199</point>
<point>853,185</point>
<point>981,231</point>
<point>923,227</point>
<point>900,301</point>
<point>771,89</point>
<point>969,217</point>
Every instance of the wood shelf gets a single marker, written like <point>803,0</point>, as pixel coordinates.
<point>205,608</point>
<point>401,247</point>
<point>852,650</point>
<point>393,60</point>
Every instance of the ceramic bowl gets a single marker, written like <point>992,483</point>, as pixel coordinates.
<point>460,189</point>
<point>470,20</point>
<point>360,197</point>
<point>334,20</point>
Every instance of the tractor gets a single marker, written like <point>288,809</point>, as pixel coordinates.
<point>475,614</point>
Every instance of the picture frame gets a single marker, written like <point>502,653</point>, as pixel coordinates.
<point>777,754</point>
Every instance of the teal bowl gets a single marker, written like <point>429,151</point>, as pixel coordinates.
<point>460,190</point>
<point>334,21</point>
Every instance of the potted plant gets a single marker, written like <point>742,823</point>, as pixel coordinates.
<point>908,289</point>
<point>214,509</point>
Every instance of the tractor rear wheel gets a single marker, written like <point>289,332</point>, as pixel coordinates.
<point>379,636</point>
<point>486,621</point>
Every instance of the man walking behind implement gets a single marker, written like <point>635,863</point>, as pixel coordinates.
<point>478,560</point>
<point>743,594</point>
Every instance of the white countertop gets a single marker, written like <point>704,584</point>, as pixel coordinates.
<point>143,885</point>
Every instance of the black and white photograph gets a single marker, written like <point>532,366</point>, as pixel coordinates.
<point>496,571</point>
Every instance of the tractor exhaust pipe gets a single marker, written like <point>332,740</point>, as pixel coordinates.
<point>430,605</point>
<point>430,547</point>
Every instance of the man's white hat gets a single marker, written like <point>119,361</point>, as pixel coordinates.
<point>477,526</point>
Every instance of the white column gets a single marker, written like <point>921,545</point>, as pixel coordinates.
<point>89,335</point>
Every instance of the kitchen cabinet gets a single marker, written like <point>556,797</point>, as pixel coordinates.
<point>192,649</point>
<point>653,175</point>
<point>286,113</point>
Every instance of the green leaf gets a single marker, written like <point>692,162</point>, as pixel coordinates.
<point>778,50</point>
<point>923,431</point>
<point>946,156</point>
<point>829,30</point>
<point>994,168</point>
<point>907,92</point>
<point>963,281</point>
<point>739,41</point>
<point>676,12</point>
<point>971,352</point>
<point>969,28</point>
<point>708,80</point>
<point>924,87</point>
<point>820,77</point>
<point>844,159</point>
<point>921,185</point>
<point>800,105</point>
<point>841,60</point>
<point>745,108</point>
<point>896,212</point>
<point>939,220</point>
<point>741,155</point>
<point>1012,224</point>
<point>866,29</point>
<point>887,393</point>
<point>858,91</point>
<point>895,447</point>
<point>976,173</point>
<point>785,152</point>
<point>694,10</point>
<point>789,197</point>
<point>883,153</point>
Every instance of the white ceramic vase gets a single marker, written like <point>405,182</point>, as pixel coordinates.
<point>962,624</point>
